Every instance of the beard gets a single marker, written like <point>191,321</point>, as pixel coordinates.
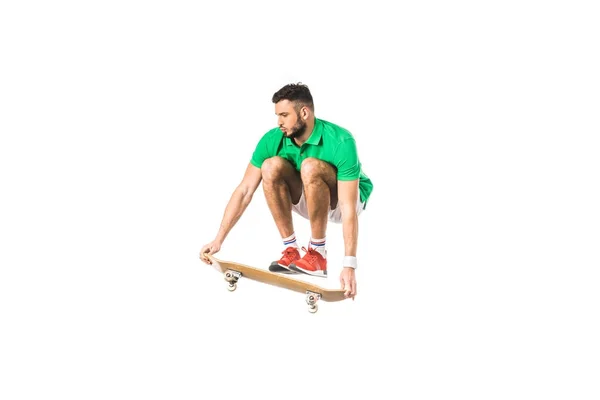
<point>298,129</point>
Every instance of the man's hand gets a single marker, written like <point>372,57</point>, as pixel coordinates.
<point>348,282</point>
<point>210,248</point>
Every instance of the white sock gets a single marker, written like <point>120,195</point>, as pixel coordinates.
<point>290,241</point>
<point>318,245</point>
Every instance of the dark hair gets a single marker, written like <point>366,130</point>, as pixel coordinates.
<point>297,93</point>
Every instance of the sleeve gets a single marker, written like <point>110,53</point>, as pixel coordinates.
<point>263,150</point>
<point>346,161</point>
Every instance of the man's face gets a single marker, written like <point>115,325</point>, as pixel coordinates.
<point>288,120</point>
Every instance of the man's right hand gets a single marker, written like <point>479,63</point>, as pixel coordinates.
<point>210,248</point>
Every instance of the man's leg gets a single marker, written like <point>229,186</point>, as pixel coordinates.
<point>282,187</point>
<point>320,190</point>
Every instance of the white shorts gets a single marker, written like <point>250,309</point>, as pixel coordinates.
<point>335,215</point>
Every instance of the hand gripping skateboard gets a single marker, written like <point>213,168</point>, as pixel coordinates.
<point>233,271</point>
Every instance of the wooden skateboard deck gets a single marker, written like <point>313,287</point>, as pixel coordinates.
<point>233,271</point>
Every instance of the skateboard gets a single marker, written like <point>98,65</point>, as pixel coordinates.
<point>233,271</point>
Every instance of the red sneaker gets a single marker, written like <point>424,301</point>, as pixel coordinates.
<point>290,255</point>
<point>313,263</point>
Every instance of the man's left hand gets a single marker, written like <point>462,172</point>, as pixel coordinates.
<point>348,282</point>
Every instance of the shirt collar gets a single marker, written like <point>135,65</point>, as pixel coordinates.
<point>314,138</point>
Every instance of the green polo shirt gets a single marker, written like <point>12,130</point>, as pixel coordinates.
<point>328,142</point>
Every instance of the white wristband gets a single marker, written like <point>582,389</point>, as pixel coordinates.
<point>350,261</point>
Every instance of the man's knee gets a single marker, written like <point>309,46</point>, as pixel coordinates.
<point>274,167</point>
<point>312,168</point>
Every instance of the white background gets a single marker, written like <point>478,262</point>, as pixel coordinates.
<point>126,125</point>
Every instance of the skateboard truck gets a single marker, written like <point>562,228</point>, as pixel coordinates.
<point>311,300</point>
<point>232,277</point>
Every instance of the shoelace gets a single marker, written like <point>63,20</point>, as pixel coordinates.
<point>288,253</point>
<point>311,255</point>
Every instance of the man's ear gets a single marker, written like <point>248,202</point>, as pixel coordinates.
<point>304,113</point>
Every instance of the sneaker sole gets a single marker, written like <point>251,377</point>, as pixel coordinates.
<point>280,269</point>
<point>321,274</point>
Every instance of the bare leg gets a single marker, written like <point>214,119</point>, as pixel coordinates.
<point>320,188</point>
<point>282,187</point>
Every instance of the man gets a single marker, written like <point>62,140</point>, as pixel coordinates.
<point>309,166</point>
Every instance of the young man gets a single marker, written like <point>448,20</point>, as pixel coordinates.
<point>309,166</point>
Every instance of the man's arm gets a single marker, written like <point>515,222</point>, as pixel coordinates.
<point>347,197</point>
<point>239,201</point>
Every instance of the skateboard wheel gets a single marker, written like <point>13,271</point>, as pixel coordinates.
<point>231,287</point>
<point>313,308</point>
